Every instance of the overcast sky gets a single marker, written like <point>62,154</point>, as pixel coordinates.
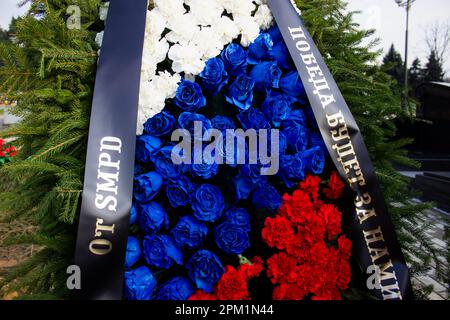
<point>383,15</point>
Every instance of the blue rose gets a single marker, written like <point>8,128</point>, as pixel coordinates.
<point>137,169</point>
<point>266,75</point>
<point>133,253</point>
<point>297,137</point>
<point>291,84</point>
<point>187,120</point>
<point>316,140</point>
<point>296,117</point>
<point>253,172</point>
<point>260,49</point>
<point>160,251</point>
<point>179,191</point>
<point>160,125</point>
<point>146,186</point>
<point>266,196</point>
<point>189,96</point>
<point>133,214</point>
<point>139,284</point>
<point>311,117</point>
<point>235,59</point>
<point>292,169</point>
<point>277,107</point>
<point>275,34</point>
<point>240,92</point>
<point>208,203</point>
<point>145,146</point>
<point>177,288</point>
<point>243,186</point>
<point>214,76</point>
<point>280,54</point>
<point>152,217</point>
<point>238,217</point>
<point>231,238</point>
<point>162,160</point>
<point>222,123</point>
<point>205,170</point>
<point>314,160</point>
<point>205,269</point>
<point>189,232</point>
<point>253,119</point>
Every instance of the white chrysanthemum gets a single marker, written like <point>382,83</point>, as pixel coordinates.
<point>151,102</point>
<point>263,17</point>
<point>141,119</point>
<point>186,58</point>
<point>153,53</point>
<point>166,84</point>
<point>208,41</point>
<point>103,11</point>
<point>183,28</point>
<point>205,12</point>
<point>227,29</point>
<point>169,8</point>
<point>99,38</point>
<point>238,7</point>
<point>249,29</point>
<point>155,24</point>
<point>156,49</point>
<point>148,68</point>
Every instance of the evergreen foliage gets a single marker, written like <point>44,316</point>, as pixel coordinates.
<point>393,65</point>
<point>415,75</point>
<point>50,72</point>
<point>368,91</point>
<point>433,70</point>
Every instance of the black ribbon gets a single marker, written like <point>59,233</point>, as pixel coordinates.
<point>108,183</point>
<point>373,235</point>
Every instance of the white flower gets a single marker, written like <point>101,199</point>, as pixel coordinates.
<point>205,12</point>
<point>103,12</point>
<point>169,8</point>
<point>151,102</point>
<point>153,53</point>
<point>227,29</point>
<point>166,84</point>
<point>260,1</point>
<point>155,24</point>
<point>186,58</point>
<point>208,42</point>
<point>249,29</point>
<point>263,17</point>
<point>183,28</point>
<point>140,122</point>
<point>99,38</point>
<point>238,7</point>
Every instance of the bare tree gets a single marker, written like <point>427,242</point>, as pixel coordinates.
<point>437,38</point>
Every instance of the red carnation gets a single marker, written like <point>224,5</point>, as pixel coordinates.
<point>288,291</point>
<point>278,232</point>
<point>335,187</point>
<point>282,268</point>
<point>252,270</point>
<point>332,218</point>
<point>232,285</point>
<point>311,185</point>
<point>345,247</point>
<point>202,295</point>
